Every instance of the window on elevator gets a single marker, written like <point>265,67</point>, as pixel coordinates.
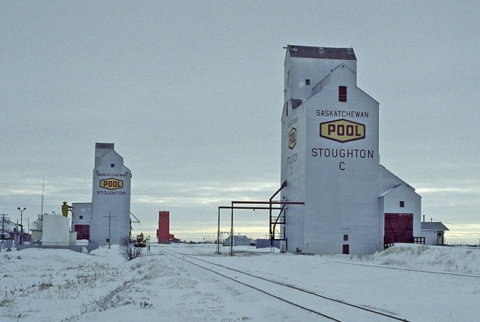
<point>342,93</point>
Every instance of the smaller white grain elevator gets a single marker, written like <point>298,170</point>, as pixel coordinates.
<point>107,218</point>
<point>110,196</point>
<point>330,160</point>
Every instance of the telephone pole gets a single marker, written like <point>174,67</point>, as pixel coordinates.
<point>21,223</point>
<point>3,226</point>
<point>3,231</point>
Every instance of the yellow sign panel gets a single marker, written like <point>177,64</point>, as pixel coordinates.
<point>342,130</point>
<point>111,184</point>
<point>292,138</point>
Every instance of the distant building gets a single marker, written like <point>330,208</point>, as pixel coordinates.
<point>237,241</point>
<point>163,231</point>
<point>107,218</point>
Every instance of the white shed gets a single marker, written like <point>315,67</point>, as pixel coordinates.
<point>434,233</point>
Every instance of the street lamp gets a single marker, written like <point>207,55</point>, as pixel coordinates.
<point>21,223</point>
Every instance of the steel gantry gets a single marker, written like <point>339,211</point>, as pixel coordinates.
<point>269,205</point>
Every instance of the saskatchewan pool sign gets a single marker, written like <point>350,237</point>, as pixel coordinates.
<point>342,130</point>
<point>111,184</point>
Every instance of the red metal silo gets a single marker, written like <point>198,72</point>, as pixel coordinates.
<point>163,232</point>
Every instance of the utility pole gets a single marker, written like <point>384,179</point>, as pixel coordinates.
<point>3,231</point>
<point>43,189</point>
<point>109,220</point>
<point>21,223</point>
<point>3,226</point>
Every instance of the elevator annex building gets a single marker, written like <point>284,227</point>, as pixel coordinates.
<point>330,160</point>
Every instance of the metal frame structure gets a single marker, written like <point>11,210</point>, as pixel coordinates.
<point>254,205</point>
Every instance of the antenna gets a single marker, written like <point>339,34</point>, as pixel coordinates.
<point>43,189</point>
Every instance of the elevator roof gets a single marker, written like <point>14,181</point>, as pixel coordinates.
<point>321,52</point>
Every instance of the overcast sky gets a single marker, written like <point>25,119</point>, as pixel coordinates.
<point>191,93</point>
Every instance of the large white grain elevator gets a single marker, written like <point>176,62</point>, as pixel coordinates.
<point>330,160</point>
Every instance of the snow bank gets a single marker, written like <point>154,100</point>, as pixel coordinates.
<point>460,260</point>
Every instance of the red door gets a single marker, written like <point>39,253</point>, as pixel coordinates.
<point>398,228</point>
<point>346,249</point>
<point>83,231</point>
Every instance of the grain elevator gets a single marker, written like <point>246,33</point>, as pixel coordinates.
<point>330,160</point>
<point>107,218</point>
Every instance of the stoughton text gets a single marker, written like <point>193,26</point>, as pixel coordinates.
<point>111,192</point>
<point>342,153</point>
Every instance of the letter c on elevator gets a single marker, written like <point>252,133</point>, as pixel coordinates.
<point>341,166</point>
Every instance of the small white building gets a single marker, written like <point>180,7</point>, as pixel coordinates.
<point>434,233</point>
<point>237,241</point>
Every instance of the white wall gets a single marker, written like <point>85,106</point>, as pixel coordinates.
<point>430,237</point>
<point>341,190</point>
<point>56,230</point>
<point>81,212</point>
<point>293,170</point>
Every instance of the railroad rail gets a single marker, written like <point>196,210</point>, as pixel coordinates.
<point>330,309</point>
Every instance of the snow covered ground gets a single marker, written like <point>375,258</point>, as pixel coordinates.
<point>416,283</point>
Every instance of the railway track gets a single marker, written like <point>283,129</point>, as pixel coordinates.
<point>324,307</point>
<point>407,269</point>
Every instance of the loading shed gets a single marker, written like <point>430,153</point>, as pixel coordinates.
<point>434,233</point>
